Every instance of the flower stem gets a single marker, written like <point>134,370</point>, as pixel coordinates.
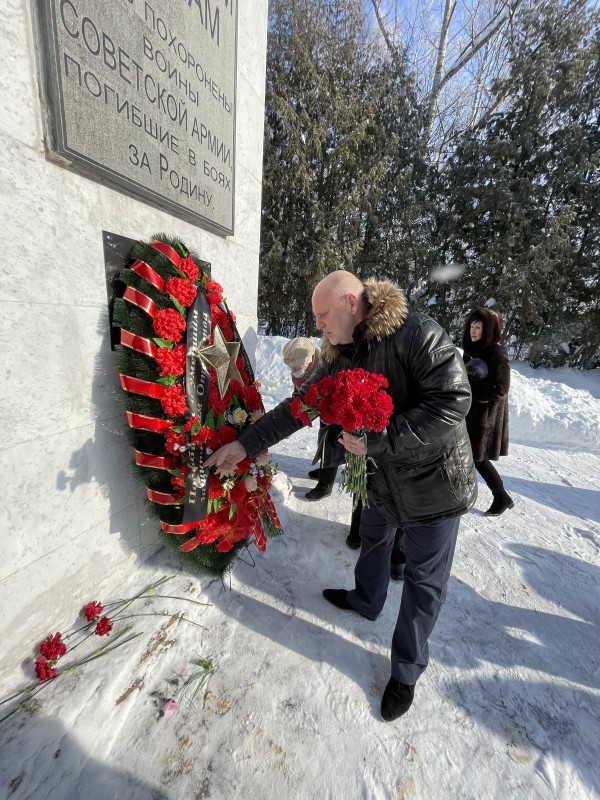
<point>98,653</point>
<point>165,614</point>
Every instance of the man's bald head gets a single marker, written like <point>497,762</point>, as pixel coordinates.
<point>340,282</point>
<point>339,305</point>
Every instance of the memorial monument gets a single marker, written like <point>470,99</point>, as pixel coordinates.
<point>120,119</point>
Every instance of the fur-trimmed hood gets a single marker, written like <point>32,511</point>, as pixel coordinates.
<point>388,310</point>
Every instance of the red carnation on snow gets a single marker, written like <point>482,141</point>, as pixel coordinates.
<point>53,647</point>
<point>169,324</point>
<point>92,610</point>
<point>104,627</point>
<point>183,291</point>
<point>173,401</point>
<point>43,670</point>
<point>171,362</point>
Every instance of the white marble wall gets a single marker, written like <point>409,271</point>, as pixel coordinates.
<point>70,511</point>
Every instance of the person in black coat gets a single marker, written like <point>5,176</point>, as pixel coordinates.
<point>423,478</point>
<point>487,421</point>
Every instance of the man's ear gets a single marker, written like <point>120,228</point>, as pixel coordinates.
<point>353,302</point>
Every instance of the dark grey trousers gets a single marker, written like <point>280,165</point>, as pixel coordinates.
<point>429,552</point>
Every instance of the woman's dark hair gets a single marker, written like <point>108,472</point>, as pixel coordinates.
<point>492,329</point>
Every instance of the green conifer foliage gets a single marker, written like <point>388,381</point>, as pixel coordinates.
<point>326,156</point>
<point>521,203</point>
<point>509,218</point>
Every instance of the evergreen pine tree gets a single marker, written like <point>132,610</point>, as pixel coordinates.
<point>324,156</point>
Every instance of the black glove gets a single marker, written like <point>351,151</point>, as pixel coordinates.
<point>333,434</point>
<point>477,369</point>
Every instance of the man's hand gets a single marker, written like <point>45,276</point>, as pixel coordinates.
<point>354,444</point>
<point>227,456</point>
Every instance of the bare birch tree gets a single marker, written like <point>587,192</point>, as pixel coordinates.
<point>456,48</point>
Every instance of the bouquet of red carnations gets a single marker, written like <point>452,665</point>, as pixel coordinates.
<point>355,400</point>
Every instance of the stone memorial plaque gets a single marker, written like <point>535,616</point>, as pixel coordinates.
<point>141,95</point>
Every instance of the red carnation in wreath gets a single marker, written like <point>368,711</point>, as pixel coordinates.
<point>189,269</point>
<point>214,292</point>
<point>171,361</point>
<point>215,490</point>
<point>252,397</point>
<point>202,436</point>
<point>221,319</point>
<point>169,324</point>
<point>175,443</point>
<point>216,402</point>
<point>173,401</point>
<point>183,291</point>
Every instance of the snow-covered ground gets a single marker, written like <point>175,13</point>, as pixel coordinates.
<point>510,704</point>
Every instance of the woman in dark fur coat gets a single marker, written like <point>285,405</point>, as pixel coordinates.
<point>487,421</point>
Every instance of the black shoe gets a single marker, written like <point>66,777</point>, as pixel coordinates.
<point>397,572</point>
<point>396,700</point>
<point>353,542</point>
<point>314,474</point>
<point>502,501</point>
<point>318,493</point>
<point>338,598</point>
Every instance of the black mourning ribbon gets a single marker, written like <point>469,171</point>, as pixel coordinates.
<point>197,384</point>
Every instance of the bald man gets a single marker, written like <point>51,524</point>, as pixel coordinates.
<point>424,478</point>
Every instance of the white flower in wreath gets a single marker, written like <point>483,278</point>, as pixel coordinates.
<point>225,471</point>
<point>263,460</point>
<point>239,416</point>
<point>250,483</point>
